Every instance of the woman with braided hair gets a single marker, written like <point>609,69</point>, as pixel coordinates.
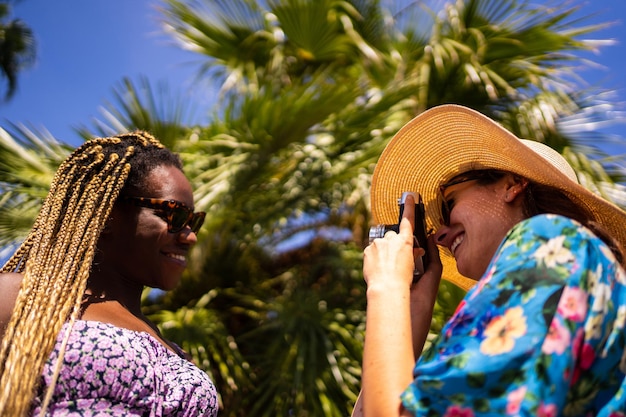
<point>118,217</point>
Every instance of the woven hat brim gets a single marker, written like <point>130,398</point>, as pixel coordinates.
<point>448,140</point>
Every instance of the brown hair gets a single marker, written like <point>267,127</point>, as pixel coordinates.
<point>541,199</point>
<point>57,255</point>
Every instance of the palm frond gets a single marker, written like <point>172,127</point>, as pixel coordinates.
<point>28,161</point>
<point>17,50</point>
<point>141,106</point>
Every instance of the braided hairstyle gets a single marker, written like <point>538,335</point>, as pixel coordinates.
<point>56,257</point>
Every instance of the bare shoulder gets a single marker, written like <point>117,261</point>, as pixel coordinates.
<point>9,287</point>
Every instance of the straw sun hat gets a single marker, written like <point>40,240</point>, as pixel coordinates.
<point>448,140</point>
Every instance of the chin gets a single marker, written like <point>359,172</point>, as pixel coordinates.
<point>468,273</point>
<point>168,285</point>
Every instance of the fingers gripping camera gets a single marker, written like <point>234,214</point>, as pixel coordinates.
<point>419,231</point>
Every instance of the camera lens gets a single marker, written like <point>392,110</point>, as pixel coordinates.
<point>379,230</point>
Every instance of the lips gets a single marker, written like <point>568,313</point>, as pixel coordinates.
<point>176,256</point>
<point>457,241</point>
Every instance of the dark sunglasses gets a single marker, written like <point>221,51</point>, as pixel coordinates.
<point>487,176</point>
<point>447,205</point>
<point>177,214</point>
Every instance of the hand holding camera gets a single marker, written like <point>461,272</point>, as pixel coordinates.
<point>419,231</point>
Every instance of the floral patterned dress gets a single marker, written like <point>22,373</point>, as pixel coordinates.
<point>541,334</point>
<point>111,371</point>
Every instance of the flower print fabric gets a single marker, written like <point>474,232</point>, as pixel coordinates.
<point>112,371</point>
<point>541,334</point>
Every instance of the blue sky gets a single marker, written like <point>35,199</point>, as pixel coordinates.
<point>86,47</point>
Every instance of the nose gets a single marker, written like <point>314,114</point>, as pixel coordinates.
<point>188,236</point>
<point>441,234</point>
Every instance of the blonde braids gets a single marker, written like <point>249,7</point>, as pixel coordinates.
<point>56,259</point>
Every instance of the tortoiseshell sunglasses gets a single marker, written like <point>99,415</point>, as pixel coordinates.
<point>177,214</point>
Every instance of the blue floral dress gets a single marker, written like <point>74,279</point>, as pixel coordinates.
<point>541,334</point>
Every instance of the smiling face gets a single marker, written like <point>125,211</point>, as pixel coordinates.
<point>136,247</point>
<point>480,215</point>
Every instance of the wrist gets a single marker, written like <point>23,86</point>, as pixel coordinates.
<point>387,289</point>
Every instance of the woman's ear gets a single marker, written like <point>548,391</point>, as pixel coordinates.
<point>514,186</point>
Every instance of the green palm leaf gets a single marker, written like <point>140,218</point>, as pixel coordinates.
<point>17,49</point>
<point>28,161</point>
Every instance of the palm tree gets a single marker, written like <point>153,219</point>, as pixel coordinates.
<point>29,160</point>
<point>17,49</point>
<point>310,92</point>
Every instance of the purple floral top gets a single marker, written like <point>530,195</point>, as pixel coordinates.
<point>112,371</point>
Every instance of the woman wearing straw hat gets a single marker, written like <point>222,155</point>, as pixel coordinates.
<point>541,329</point>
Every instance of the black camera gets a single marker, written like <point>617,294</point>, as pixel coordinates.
<point>419,232</point>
